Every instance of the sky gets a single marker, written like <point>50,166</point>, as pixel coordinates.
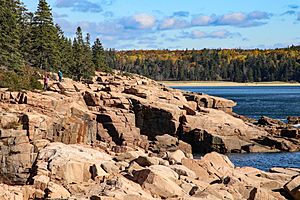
<point>181,24</point>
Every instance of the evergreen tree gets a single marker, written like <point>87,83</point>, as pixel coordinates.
<point>44,37</point>
<point>99,55</point>
<point>88,58</point>
<point>83,66</point>
<point>10,55</point>
<point>65,60</point>
<point>26,21</point>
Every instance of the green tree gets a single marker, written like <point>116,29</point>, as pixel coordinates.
<point>83,66</point>
<point>10,55</point>
<point>44,38</point>
<point>99,55</point>
<point>66,60</point>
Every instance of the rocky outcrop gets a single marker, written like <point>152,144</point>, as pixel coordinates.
<point>76,171</point>
<point>120,137</point>
<point>123,110</point>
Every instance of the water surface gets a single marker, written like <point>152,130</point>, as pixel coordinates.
<point>255,101</point>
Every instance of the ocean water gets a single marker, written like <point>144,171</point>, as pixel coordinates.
<point>265,161</point>
<point>255,101</point>
<point>273,101</point>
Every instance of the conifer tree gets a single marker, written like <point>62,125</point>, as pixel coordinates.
<point>83,66</point>
<point>99,55</point>
<point>88,57</point>
<point>10,55</point>
<point>44,37</point>
<point>65,54</point>
<point>25,22</point>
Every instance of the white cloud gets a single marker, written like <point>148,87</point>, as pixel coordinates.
<point>232,18</point>
<point>138,21</point>
<point>202,20</point>
<point>173,23</point>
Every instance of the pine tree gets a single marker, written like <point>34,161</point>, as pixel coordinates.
<point>65,54</point>
<point>88,57</point>
<point>99,55</point>
<point>10,55</point>
<point>25,22</point>
<point>83,66</point>
<point>44,37</point>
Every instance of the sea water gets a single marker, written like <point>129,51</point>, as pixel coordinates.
<point>255,101</point>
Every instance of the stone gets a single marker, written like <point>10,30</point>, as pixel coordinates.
<point>133,166</point>
<point>55,191</point>
<point>176,156</point>
<point>260,193</point>
<point>40,144</point>
<point>218,160</point>
<point>41,182</point>
<point>197,168</point>
<point>181,170</point>
<point>293,188</point>
<point>185,148</point>
<point>146,161</point>
<point>129,156</point>
<point>164,171</point>
<point>189,188</point>
<point>72,163</point>
<point>166,140</point>
<point>157,184</point>
<point>286,171</point>
<point>119,187</point>
<point>9,133</point>
<point>110,167</point>
<point>97,172</point>
<point>122,165</point>
<point>91,99</point>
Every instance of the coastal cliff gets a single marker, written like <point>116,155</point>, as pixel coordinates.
<point>129,137</point>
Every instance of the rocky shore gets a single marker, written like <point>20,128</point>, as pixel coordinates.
<point>129,137</point>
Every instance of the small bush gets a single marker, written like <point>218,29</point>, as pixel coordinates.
<point>24,78</point>
<point>127,74</point>
<point>107,70</point>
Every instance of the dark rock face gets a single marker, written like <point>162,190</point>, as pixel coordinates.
<point>203,142</point>
<point>293,120</point>
<point>154,121</point>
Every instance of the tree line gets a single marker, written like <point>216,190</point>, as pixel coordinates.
<point>213,64</point>
<point>33,39</point>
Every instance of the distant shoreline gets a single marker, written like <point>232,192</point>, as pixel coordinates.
<point>224,83</point>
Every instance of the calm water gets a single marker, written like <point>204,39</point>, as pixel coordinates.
<point>272,101</point>
<point>265,161</point>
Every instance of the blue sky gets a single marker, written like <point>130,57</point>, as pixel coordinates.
<point>181,24</point>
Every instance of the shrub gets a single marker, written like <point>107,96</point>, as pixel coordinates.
<point>24,78</point>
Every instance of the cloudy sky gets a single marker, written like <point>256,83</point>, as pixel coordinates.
<point>181,24</point>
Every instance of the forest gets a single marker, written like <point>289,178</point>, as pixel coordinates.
<point>31,44</point>
<point>213,64</point>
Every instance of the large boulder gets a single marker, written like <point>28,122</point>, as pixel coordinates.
<point>293,187</point>
<point>214,130</point>
<point>71,163</point>
<point>158,184</point>
<point>17,156</point>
